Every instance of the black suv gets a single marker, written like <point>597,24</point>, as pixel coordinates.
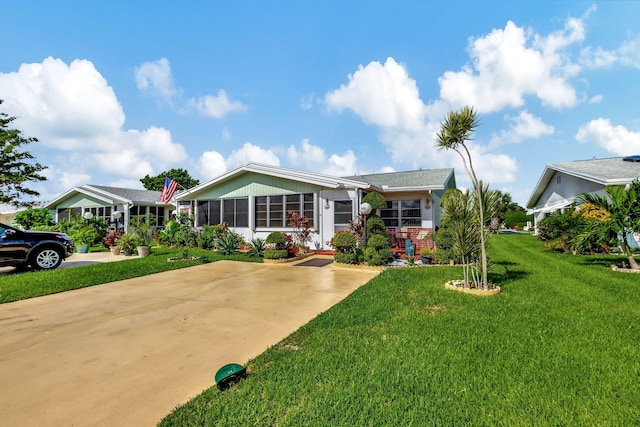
<point>41,250</point>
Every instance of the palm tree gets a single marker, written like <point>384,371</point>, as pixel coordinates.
<point>455,131</point>
<point>623,205</point>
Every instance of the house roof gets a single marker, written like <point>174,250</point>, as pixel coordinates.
<point>111,195</point>
<point>276,171</point>
<point>606,172</point>
<point>427,179</point>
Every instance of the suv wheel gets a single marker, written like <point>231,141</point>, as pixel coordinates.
<point>46,259</point>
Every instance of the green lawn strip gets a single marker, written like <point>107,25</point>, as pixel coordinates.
<point>557,347</point>
<point>14,287</point>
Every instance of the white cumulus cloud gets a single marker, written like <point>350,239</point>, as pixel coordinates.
<point>216,106</point>
<point>615,139</point>
<point>381,94</point>
<point>76,116</point>
<point>522,127</point>
<point>312,157</point>
<point>155,77</point>
<point>509,64</point>
<point>213,163</point>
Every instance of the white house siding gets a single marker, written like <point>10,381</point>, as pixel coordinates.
<point>561,192</point>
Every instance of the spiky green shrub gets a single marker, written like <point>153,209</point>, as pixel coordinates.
<point>258,246</point>
<point>228,244</point>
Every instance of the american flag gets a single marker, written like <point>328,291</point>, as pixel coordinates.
<point>168,190</point>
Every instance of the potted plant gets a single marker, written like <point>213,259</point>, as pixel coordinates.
<point>143,226</point>
<point>427,254</point>
<point>111,240</point>
<point>84,238</point>
<point>127,243</point>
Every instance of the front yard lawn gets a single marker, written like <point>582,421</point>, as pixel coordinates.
<point>16,287</point>
<point>558,346</point>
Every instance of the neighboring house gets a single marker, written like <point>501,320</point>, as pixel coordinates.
<point>104,202</point>
<point>254,200</point>
<point>560,183</point>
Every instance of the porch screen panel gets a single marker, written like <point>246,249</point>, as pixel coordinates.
<point>228,208</point>
<point>214,212</point>
<point>342,214</point>
<point>203,212</point>
<point>242,212</point>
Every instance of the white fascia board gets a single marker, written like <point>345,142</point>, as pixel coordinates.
<point>276,171</point>
<point>82,190</point>
<point>113,197</point>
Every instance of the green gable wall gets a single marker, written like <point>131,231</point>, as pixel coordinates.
<point>253,184</point>
<point>81,200</point>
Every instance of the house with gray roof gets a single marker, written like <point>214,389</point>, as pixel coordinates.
<point>254,200</point>
<point>114,204</point>
<point>561,183</point>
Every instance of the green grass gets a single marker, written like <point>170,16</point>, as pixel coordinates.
<point>558,346</point>
<point>14,287</point>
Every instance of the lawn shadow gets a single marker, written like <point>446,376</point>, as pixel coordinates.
<point>501,272</point>
<point>604,260</point>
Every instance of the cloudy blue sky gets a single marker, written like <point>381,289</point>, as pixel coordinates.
<point>117,90</point>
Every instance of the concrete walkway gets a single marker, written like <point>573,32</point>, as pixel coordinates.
<point>126,353</point>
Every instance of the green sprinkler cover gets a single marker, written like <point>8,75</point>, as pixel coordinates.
<point>229,374</point>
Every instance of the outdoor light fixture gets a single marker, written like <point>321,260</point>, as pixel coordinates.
<point>87,215</point>
<point>326,204</point>
<point>365,209</point>
<point>115,217</point>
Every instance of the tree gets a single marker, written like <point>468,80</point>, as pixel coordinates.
<point>30,218</point>
<point>623,205</point>
<point>181,176</point>
<point>455,131</point>
<point>16,167</point>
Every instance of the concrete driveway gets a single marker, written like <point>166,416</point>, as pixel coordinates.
<point>126,353</point>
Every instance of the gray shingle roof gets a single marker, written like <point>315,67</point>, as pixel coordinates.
<point>136,196</point>
<point>428,178</point>
<point>604,171</point>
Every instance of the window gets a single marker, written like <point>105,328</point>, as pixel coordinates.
<point>271,211</point>
<point>68,213</point>
<point>391,214</point>
<point>208,212</point>
<point>342,214</point>
<point>100,212</point>
<point>158,214</point>
<point>235,212</point>
<point>402,213</point>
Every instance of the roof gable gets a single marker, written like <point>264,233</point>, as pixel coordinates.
<point>606,172</point>
<point>109,195</point>
<point>310,178</point>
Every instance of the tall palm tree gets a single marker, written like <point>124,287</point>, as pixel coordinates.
<point>623,205</point>
<point>455,131</point>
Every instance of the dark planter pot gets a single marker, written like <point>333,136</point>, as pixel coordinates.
<point>427,259</point>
